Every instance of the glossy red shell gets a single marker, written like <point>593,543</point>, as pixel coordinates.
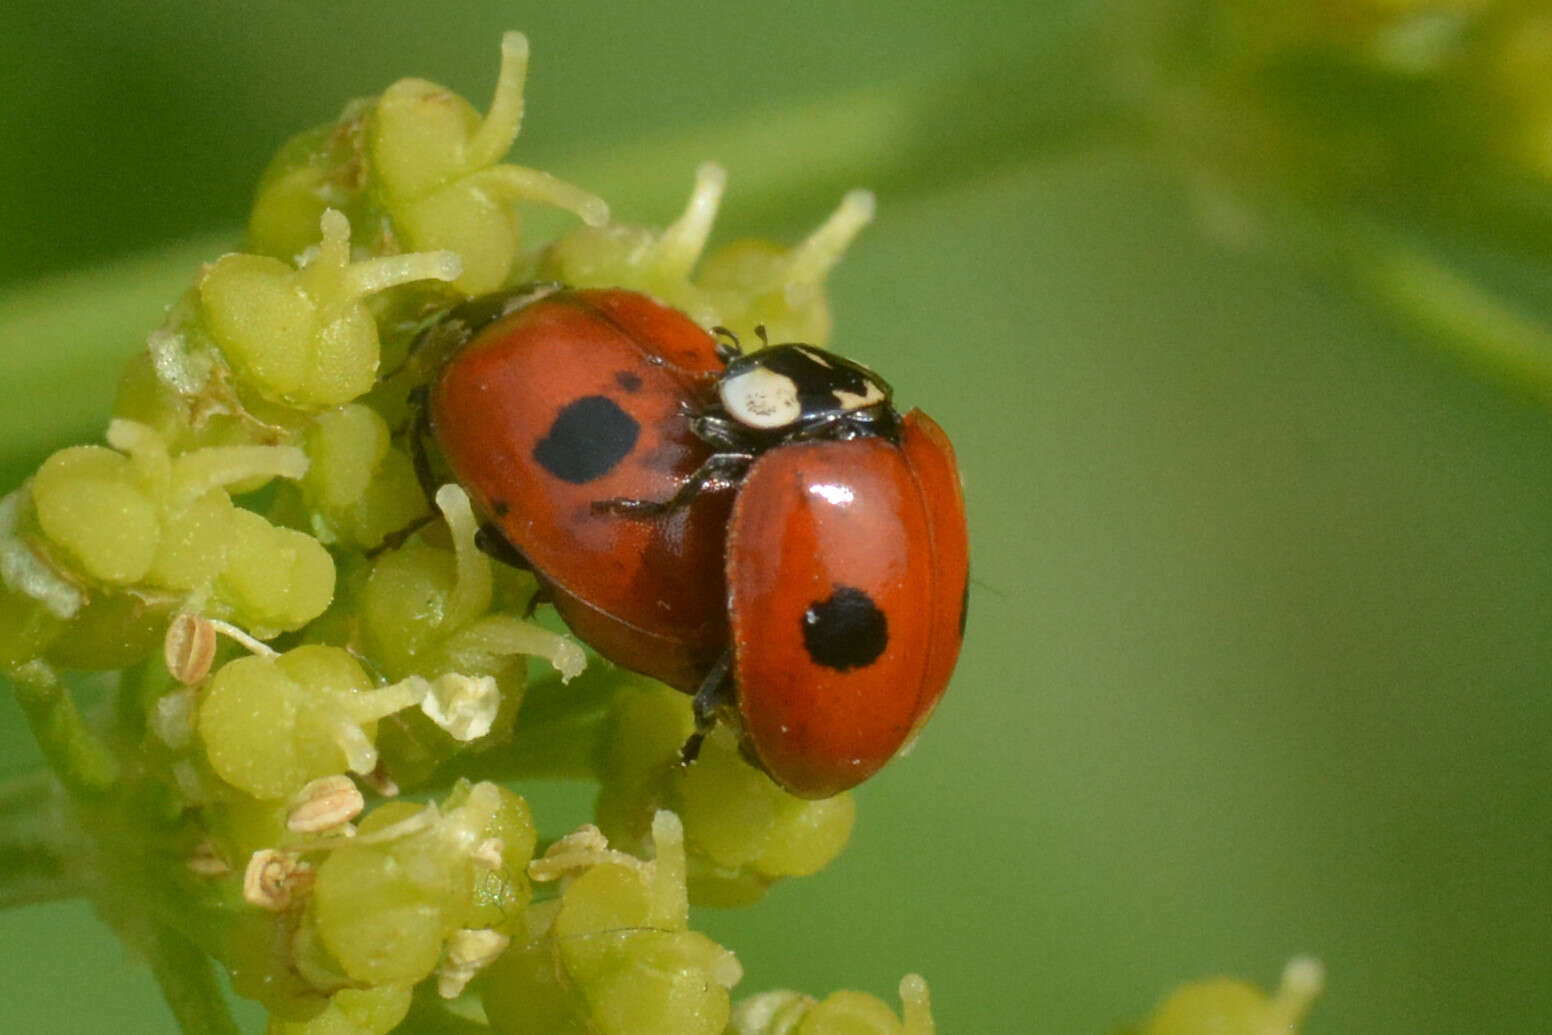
<point>591,384</point>
<point>863,519</point>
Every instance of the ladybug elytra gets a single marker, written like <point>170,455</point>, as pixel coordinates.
<point>553,398</point>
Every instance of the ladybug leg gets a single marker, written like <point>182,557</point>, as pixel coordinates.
<point>419,431</point>
<point>719,471</point>
<point>720,433</point>
<point>709,699</point>
<point>489,540</point>
<point>397,538</point>
<point>542,595</point>
<point>420,434</point>
<point>495,545</point>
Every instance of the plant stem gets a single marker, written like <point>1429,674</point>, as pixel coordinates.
<point>188,983</point>
<point>78,757</point>
<point>1457,314</point>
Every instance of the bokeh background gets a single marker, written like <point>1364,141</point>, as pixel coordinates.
<point>1259,658</point>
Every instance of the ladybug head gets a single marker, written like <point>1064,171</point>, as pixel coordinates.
<point>797,391</point>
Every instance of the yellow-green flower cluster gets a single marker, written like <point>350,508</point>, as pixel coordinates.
<point>299,633</point>
<point>421,170</point>
<point>103,544</point>
<point>416,893</point>
<point>740,286</point>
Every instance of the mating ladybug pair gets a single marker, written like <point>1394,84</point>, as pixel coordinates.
<point>764,531</point>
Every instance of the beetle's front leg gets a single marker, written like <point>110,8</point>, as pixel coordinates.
<point>719,471</point>
<point>723,434</point>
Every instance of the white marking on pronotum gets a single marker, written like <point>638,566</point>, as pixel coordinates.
<point>761,398</point>
<point>853,401</point>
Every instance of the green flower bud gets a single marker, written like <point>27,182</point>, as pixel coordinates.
<point>358,488</point>
<point>275,579</point>
<point>742,832</point>
<point>271,724</point>
<point>613,955</point>
<point>760,283</point>
<point>89,503</point>
<point>842,1013</point>
<point>241,825</point>
<point>741,286</point>
<point>259,950</point>
<point>436,165</point>
<point>157,527</point>
<point>197,520</point>
<point>316,170</point>
<point>424,609</point>
<point>354,1011</point>
<point>195,542</point>
<point>422,163</point>
<point>303,336</point>
<point>387,900</point>
<point>268,732</point>
<point>344,447</point>
<point>636,257</point>
<point>1224,1006</point>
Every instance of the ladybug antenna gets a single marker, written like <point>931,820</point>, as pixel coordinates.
<point>759,330</point>
<point>730,349</point>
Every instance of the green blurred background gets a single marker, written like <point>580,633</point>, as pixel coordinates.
<point>1258,660</point>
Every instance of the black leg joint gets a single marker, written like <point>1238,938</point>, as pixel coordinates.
<point>492,543</point>
<point>711,697</point>
<point>719,471</point>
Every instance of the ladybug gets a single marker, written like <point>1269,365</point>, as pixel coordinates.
<point>846,566</point>
<point>548,399</point>
<point>763,530</point>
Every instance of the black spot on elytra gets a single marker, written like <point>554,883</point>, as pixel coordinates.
<point>845,631</point>
<point>500,508</point>
<point>627,380</point>
<point>589,437</point>
<point>964,609</point>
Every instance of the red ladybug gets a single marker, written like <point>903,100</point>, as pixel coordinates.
<point>551,399</point>
<point>847,564</point>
